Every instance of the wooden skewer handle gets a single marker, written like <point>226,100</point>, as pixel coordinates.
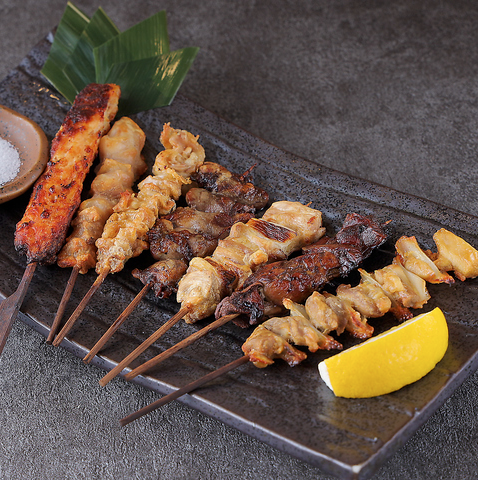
<point>179,346</point>
<point>144,346</point>
<point>10,307</point>
<point>63,303</point>
<point>183,390</point>
<point>79,309</point>
<point>116,324</point>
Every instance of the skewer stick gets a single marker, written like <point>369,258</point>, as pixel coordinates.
<point>144,346</point>
<point>63,303</point>
<point>79,309</point>
<point>10,306</point>
<point>117,323</point>
<point>179,346</point>
<point>186,389</point>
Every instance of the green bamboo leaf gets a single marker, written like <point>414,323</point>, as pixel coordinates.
<point>80,68</point>
<point>67,35</point>
<point>150,82</point>
<point>146,39</point>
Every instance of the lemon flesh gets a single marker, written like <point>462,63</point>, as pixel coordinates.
<point>389,361</point>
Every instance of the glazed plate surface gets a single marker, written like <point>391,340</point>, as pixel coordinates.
<point>288,408</point>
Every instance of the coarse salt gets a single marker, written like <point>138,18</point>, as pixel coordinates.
<point>9,162</point>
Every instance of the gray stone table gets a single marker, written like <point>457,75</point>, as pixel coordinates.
<point>316,78</point>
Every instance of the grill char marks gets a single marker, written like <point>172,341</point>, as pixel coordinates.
<point>41,232</point>
<point>219,180</point>
<point>264,291</point>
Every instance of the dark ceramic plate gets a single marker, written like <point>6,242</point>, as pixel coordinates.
<point>288,408</point>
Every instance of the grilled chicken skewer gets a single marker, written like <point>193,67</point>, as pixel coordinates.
<point>295,278</point>
<point>305,326</point>
<point>57,193</point>
<point>190,232</point>
<point>125,232</point>
<point>284,228</point>
<point>121,164</point>
<point>173,241</point>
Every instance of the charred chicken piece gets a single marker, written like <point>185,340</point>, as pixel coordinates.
<point>204,201</point>
<point>188,233</point>
<point>220,180</point>
<point>56,195</point>
<point>163,276</point>
<point>298,277</point>
<point>245,248</point>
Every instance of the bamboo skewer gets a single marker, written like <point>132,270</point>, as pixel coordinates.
<point>10,307</point>
<point>144,346</point>
<point>117,323</point>
<point>179,346</point>
<point>79,309</point>
<point>63,303</point>
<point>184,390</point>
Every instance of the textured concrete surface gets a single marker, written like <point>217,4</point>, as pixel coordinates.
<point>385,91</point>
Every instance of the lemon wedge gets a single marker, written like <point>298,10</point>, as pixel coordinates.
<point>389,361</point>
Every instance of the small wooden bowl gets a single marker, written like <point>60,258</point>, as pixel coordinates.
<point>31,142</point>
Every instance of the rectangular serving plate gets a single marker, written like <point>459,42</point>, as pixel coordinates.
<point>290,409</point>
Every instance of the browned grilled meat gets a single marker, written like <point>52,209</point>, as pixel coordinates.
<point>56,195</point>
<point>220,180</point>
<point>264,291</point>
<point>188,233</point>
<point>163,276</point>
<point>206,201</point>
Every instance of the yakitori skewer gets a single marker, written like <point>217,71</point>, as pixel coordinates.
<point>404,281</point>
<point>283,229</point>
<point>121,164</point>
<point>192,232</point>
<point>190,387</point>
<point>125,233</point>
<point>179,244</point>
<point>57,193</point>
<point>294,278</point>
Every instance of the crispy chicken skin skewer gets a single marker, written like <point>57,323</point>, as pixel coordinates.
<point>286,283</point>
<point>57,193</point>
<point>366,299</point>
<point>121,164</point>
